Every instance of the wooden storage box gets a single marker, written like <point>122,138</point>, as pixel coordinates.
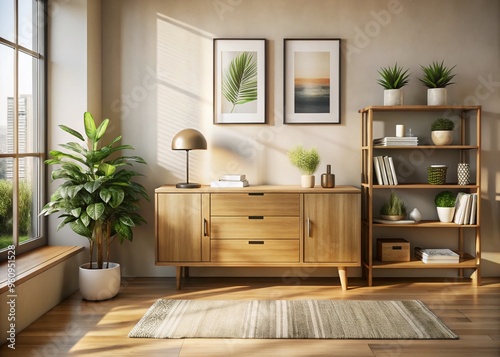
<point>393,250</point>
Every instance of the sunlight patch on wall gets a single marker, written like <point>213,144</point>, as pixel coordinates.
<point>184,70</point>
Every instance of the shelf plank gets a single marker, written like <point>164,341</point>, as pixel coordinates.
<point>466,262</point>
<point>427,224</point>
<point>427,147</point>
<point>423,185</point>
<point>422,108</point>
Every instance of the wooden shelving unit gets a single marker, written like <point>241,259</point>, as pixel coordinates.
<point>468,147</point>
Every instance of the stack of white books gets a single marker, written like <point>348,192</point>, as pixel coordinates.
<point>384,170</point>
<point>231,180</point>
<point>396,141</point>
<point>436,256</point>
<point>465,208</point>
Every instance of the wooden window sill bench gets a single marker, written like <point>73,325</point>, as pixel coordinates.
<point>35,262</point>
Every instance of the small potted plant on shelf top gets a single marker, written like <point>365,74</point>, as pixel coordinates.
<point>442,131</point>
<point>395,209</point>
<point>393,80</point>
<point>98,199</point>
<point>436,78</point>
<point>307,162</point>
<point>445,205</point>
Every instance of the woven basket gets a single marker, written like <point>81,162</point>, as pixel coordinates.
<point>436,175</point>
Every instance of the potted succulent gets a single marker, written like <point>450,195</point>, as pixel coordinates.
<point>445,205</point>
<point>307,162</point>
<point>395,209</point>
<point>436,78</point>
<point>98,199</point>
<point>442,131</point>
<point>393,80</point>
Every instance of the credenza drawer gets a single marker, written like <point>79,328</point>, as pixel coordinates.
<point>255,227</point>
<point>255,204</point>
<point>255,251</point>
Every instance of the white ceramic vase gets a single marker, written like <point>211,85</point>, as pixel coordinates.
<point>307,181</point>
<point>393,97</point>
<point>442,137</point>
<point>445,214</point>
<point>99,284</point>
<point>437,96</point>
<point>415,215</point>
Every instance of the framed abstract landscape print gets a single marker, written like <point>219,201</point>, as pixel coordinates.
<point>311,81</point>
<point>239,81</point>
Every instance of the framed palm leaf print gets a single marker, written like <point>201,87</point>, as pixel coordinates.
<point>311,81</point>
<point>239,81</point>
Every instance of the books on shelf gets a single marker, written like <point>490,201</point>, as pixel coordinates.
<point>436,256</point>
<point>231,180</point>
<point>396,141</point>
<point>385,170</point>
<point>465,208</point>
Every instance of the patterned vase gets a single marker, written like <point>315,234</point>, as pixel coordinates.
<point>463,173</point>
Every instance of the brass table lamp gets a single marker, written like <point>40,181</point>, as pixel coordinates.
<point>188,139</point>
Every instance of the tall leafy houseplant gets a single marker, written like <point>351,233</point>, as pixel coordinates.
<point>239,85</point>
<point>98,198</point>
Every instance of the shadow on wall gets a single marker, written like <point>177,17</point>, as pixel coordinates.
<point>184,99</point>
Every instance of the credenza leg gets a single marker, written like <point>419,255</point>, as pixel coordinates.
<point>178,277</point>
<point>343,277</point>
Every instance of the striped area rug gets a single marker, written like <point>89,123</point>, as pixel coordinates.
<point>300,319</point>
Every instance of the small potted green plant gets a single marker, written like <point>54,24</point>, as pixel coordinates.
<point>436,78</point>
<point>445,205</point>
<point>393,79</point>
<point>395,209</point>
<point>442,131</point>
<point>307,162</point>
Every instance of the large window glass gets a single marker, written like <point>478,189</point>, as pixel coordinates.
<point>22,123</point>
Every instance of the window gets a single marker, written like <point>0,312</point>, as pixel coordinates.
<point>22,123</point>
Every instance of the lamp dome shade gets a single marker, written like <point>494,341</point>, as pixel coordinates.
<point>189,139</point>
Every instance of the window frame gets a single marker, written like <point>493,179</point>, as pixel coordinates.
<point>40,18</point>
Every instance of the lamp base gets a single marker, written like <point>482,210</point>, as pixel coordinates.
<point>188,185</point>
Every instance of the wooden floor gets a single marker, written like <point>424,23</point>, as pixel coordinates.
<point>80,328</point>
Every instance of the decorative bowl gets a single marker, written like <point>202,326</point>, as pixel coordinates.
<point>393,218</point>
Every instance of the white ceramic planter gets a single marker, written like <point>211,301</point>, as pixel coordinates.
<point>442,137</point>
<point>445,214</point>
<point>393,97</point>
<point>437,96</point>
<point>99,284</point>
<point>307,181</point>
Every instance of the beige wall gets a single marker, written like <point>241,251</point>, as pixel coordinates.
<point>157,80</point>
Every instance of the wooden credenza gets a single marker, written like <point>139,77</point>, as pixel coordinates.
<point>258,226</point>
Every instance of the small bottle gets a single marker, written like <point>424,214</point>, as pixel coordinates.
<point>328,179</point>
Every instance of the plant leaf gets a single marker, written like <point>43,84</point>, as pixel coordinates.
<point>101,130</point>
<point>90,128</point>
<point>72,132</point>
<point>95,210</point>
<point>239,85</point>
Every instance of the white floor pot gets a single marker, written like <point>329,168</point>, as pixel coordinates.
<point>393,97</point>
<point>437,96</point>
<point>99,284</point>
<point>445,214</point>
<point>442,137</point>
<point>307,181</point>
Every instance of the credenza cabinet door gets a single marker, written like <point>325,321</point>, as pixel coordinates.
<point>179,227</point>
<point>332,226</point>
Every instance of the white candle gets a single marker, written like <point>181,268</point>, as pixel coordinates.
<point>400,130</point>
